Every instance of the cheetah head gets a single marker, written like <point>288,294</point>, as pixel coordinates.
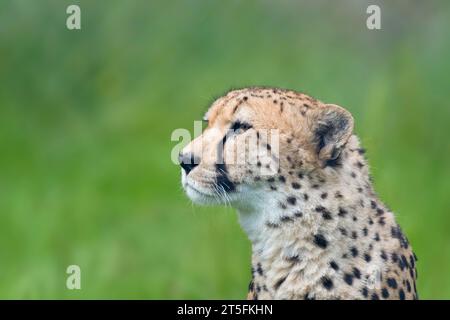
<point>255,137</point>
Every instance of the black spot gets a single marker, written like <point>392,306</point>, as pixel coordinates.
<point>259,269</point>
<point>404,261</point>
<point>356,273</point>
<point>268,147</point>
<point>385,293</point>
<point>365,231</point>
<point>353,175</point>
<point>373,204</point>
<point>412,263</point>
<point>342,212</point>
<point>325,213</point>
<point>324,195</point>
<point>401,294</point>
<point>300,175</point>
<point>327,283</point>
<point>282,179</point>
<point>282,206</point>
<point>359,164</point>
<point>320,241</point>
<point>271,180</point>
<point>291,200</point>
<point>380,211</point>
<point>293,258</point>
<point>374,296</point>
<point>334,265</point>
<point>397,233</point>
<point>392,283</point>
<point>411,273</point>
<point>394,257</point>
<point>348,278</point>
<point>365,292</point>
<point>377,237</point>
<point>251,286</point>
<point>305,196</point>
<point>343,231</point>
<point>295,185</point>
<point>286,219</point>
<point>367,257</point>
<point>401,264</point>
<point>298,214</point>
<point>383,255</point>
<point>354,235</point>
<point>271,225</point>
<point>354,251</point>
<point>338,195</point>
<point>258,163</point>
<point>279,283</point>
<point>408,286</point>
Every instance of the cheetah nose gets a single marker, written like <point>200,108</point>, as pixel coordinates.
<point>188,161</point>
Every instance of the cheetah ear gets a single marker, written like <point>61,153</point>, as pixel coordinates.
<point>332,127</point>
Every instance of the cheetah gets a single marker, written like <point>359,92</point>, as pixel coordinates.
<point>304,197</point>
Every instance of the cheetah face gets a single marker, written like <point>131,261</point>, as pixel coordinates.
<point>255,137</point>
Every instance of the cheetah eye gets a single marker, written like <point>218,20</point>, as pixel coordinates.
<point>239,127</point>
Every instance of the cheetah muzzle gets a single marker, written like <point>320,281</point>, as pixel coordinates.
<point>297,175</point>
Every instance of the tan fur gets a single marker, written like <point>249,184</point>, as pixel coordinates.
<point>317,228</point>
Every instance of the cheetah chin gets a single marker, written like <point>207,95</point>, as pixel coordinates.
<point>297,175</point>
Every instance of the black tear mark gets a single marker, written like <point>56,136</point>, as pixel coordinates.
<point>222,178</point>
<point>320,241</point>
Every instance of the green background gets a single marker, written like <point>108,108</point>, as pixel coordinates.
<point>86,119</point>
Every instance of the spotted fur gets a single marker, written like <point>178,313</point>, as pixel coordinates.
<point>317,227</point>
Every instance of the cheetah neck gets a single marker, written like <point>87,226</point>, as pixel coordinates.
<point>297,232</point>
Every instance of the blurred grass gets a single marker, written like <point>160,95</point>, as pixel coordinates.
<point>86,118</point>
